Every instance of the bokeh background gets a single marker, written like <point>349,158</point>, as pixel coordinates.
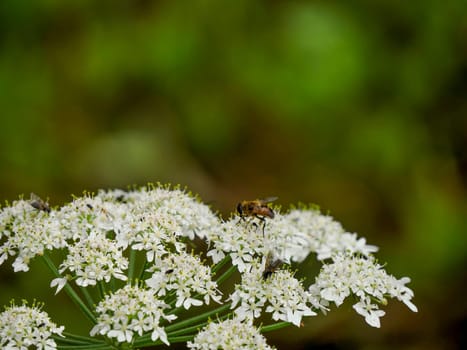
<point>359,106</point>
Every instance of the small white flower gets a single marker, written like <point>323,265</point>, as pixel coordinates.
<point>122,335</point>
<point>159,333</point>
<point>370,311</point>
<point>59,283</point>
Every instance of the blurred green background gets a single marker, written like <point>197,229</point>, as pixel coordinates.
<point>359,106</point>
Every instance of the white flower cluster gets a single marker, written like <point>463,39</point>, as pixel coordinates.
<point>281,294</point>
<point>229,335</point>
<point>103,233</point>
<point>242,239</point>
<point>169,213</point>
<point>300,232</point>
<point>366,280</point>
<point>95,258</point>
<point>22,327</point>
<point>131,310</point>
<point>175,211</point>
<point>27,232</point>
<point>187,277</point>
<point>292,237</point>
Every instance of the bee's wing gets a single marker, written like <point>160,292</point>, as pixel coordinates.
<point>35,197</point>
<point>268,200</point>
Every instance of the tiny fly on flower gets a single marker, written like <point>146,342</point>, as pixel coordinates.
<point>37,203</point>
<point>271,265</point>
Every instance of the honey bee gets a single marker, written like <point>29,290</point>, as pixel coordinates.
<point>37,203</point>
<point>272,264</point>
<point>258,208</point>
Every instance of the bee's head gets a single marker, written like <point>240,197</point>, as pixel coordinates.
<point>239,208</point>
<point>271,213</point>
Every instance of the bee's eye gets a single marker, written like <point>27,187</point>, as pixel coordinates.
<point>239,208</point>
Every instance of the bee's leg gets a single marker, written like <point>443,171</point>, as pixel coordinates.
<point>263,221</point>
<point>253,223</point>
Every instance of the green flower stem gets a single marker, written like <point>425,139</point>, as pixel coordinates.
<point>131,266</point>
<point>68,341</point>
<point>142,341</point>
<point>145,341</point>
<point>89,300</point>
<point>172,300</point>
<point>221,263</point>
<point>70,291</point>
<point>113,284</point>
<point>101,289</point>
<point>187,330</point>
<point>226,275</point>
<point>275,326</point>
<point>196,319</point>
<point>71,341</point>
<point>139,344</point>
<point>195,327</point>
<point>81,338</point>
<point>143,270</point>
<point>87,347</point>
<point>182,339</point>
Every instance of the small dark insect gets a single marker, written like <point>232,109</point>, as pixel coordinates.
<point>258,208</point>
<point>37,203</point>
<point>272,264</point>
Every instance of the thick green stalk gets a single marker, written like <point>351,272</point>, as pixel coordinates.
<point>221,263</point>
<point>131,266</point>
<point>67,341</point>
<point>185,323</point>
<point>87,347</point>
<point>196,319</point>
<point>226,275</point>
<point>76,337</point>
<point>195,327</point>
<point>182,339</point>
<point>89,300</point>
<point>101,289</point>
<point>275,326</point>
<point>143,270</point>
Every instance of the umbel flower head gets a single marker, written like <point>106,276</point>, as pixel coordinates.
<point>229,335</point>
<point>23,327</point>
<point>131,310</point>
<point>134,261</point>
